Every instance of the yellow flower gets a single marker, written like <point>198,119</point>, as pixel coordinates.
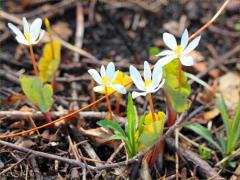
<point>122,79</point>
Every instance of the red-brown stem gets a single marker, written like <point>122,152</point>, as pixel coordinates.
<point>118,103</point>
<point>33,61</point>
<point>179,75</point>
<point>150,99</point>
<point>199,31</point>
<point>93,95</point>
<point>48,116</point>
<point>108,104</point>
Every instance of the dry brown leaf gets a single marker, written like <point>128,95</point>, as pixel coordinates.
<point>207,96</point>
<point>176,27</point>
<point>25,143</point>
<point>15,98</point>
<point>197,56</point>
<point>200,66</point>
<point>215,73</point>
<point>237,171</point>
<point>62,29</point>
<point>229,87</point>
<point>209,115</point>
<point>145,172</point>
<point>99,135</point>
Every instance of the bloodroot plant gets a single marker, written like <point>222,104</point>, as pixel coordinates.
<point>36,88</point>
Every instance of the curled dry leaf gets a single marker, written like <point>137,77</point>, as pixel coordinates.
<point>209,115</point>
<point>25,143</point>
<point>99,135</point>
<point>229,87</point>
<point>62,29</point>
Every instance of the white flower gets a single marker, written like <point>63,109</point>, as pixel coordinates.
<point>32,33</point>
<point>105,79</point>
<point>178,51</point>
<point>152,81</point>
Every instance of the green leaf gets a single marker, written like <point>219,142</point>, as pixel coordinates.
<point>141,123</point>
<point>178,97</point>
<point>204,132</point>
<point>236,128</point>
<point>131,116</point>
<point>112,125</point>
<point>153,51</point>
<point>48,65</point>
<point>237,27</point>
<point>204,153</point>
<point>224,113</point>
<point>37,92</point>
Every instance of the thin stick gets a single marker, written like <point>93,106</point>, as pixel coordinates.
<point>108,104</point>
<point>150,99</point>
<point>205,26</point>
<point>176,153</point>
<point>33,124</point>
<point>33,61</point>
<point>12,166</point>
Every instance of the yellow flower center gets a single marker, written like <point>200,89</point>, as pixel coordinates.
<point>147,83</point>
<point>106,80</point>
<point>178,50</point>
<point>28,37</point>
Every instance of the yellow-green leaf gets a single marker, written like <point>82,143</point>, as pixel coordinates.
<point>152,130</point>
<point>178,97</point>
<point>49,63</point>
<point>38,93</point>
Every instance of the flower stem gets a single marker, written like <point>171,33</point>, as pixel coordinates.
<point>108,104</point>
<point>33,61</point>
<point>119,99</point>
<point>93,95</point>
<point>150,99</point>
<point>179,75</point>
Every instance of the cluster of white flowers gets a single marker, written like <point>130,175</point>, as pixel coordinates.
<point>152,82</point>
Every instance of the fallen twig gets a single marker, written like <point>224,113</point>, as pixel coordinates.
<point>204,169</point>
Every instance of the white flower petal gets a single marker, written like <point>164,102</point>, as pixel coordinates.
<point>186,60</point>
<point>98,88</point>
<point>115,75</point>
<point>26,28</point>
<point>22,40</point>
<point>103,71</point>
<point>160,85</point>
<point>157,74</point>
<point>40,37</point>
<point>147,71</point>
<point>111,70</point>
<point>166,53</point>
<point>184,39</point>
<point>136,94</point>
<point>119,88</point>
<point>35,29</point>
<point>136,77</point>
<point>165,60</point>
<point>192,45</point>
<point>170,40</point>
<point>16,30</point>
<point>95,75</point>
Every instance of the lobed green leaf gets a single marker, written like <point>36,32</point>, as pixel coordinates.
<point>37,92</point>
